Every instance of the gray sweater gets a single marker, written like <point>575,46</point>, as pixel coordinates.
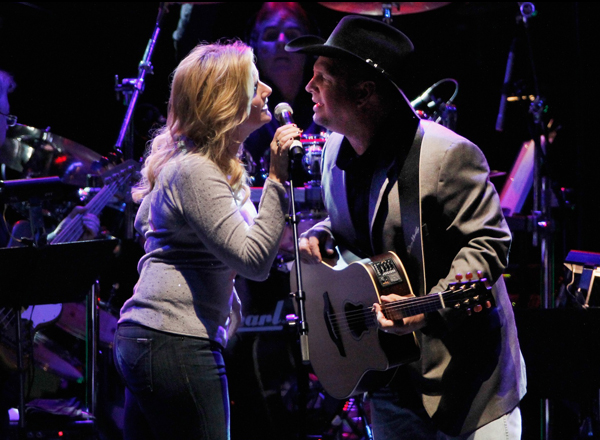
<point>196,241</point>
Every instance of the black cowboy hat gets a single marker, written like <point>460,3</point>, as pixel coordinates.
<point>374,42</point>
<point>378,44</point>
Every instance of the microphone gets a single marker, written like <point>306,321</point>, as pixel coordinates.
<point>507,75</point>
<point>424,97</point>
<point>283,113</point>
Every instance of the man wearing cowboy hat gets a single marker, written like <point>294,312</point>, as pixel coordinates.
<point>393,182</point>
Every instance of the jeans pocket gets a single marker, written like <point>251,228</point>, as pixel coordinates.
<point>134,361</point>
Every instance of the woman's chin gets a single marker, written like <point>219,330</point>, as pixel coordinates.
<point>266,117</point>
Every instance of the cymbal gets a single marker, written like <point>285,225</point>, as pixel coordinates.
<point>377,8</point>
<point>39,153</point>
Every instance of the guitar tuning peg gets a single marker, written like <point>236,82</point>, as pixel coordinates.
<point>469,276</point>
<point>478,308</point>
<point>458,277</point>
<point>488,304</point>
<point>479,274</point>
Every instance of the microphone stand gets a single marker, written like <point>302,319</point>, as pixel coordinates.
<point>541,216</point>
<point>300,320</point>
<point>131,89</point>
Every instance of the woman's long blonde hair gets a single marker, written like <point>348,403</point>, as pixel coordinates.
<point>210,97</point>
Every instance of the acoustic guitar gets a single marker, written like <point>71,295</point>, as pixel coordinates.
<point>347,351</point>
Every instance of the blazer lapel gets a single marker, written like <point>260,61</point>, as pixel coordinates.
<point>334,190</point>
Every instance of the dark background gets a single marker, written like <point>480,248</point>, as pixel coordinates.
<point>65,56</point>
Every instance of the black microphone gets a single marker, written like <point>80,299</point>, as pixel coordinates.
<point>507,75</point>
<point>283,113</point>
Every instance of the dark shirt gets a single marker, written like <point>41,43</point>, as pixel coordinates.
<point>359,174</point>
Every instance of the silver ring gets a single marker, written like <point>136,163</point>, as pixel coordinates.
<point>278,144</point>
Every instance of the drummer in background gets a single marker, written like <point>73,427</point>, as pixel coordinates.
<point>267,32</point>
<point>21,229</point>
<point>275,24</point>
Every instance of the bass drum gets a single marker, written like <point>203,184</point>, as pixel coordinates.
<point>73,320</point>
<point>51,355</point>
<point>313,150</point>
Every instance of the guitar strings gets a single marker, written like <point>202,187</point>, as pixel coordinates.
<point>6,318</point>
<point>348,321</point>
<point>75,229</point>
<point>416,305</point>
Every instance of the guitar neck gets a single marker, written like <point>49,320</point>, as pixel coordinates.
<point>74,230</point>
<point>430,303</point>
<point>114,179</point>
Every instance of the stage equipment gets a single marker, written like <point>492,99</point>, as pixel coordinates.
<point>583,271</point>
<point>435,109</point>
<point>382,8</point>
<point>39,153</point>
<point>36,275</point>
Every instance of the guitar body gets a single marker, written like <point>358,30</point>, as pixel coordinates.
<point>347,351</point>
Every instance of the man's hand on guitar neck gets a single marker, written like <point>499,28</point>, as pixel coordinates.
<point>401,327</point>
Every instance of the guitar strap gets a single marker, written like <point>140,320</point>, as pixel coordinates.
<point>409,196</point>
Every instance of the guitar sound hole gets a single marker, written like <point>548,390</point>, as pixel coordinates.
<point>332,324</point>
<point>356,319</point>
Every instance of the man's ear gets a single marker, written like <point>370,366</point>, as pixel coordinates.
<point>364,92</point>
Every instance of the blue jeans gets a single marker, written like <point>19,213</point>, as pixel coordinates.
<point>391,421</point>
<point>176,386</point>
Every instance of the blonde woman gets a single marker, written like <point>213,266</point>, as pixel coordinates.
<point>200,230</point>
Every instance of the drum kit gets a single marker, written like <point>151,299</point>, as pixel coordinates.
<point>31,153</point>
<point>382,8</point>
